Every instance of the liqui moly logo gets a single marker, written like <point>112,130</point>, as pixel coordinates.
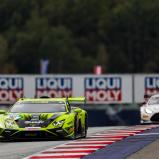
<point>151,85</point>
<point>11,88</point>
<point>104,89</point>
<point>53,87</point>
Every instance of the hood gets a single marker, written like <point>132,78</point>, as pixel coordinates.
<point>154,107</point>
<point>33,119</point>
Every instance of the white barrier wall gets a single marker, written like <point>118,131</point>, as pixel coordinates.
<point>145,84</point>
<point>97,89</point>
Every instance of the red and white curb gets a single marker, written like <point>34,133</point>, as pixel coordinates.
<point>83,147</point>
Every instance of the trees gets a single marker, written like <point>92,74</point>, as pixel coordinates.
<point>75,35</point>
<point>132,37</point>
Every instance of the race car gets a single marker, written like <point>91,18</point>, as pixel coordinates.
<point>149,111</point>
<point>39,118</point>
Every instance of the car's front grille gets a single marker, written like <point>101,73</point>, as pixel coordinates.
<point>155,117</point>
<point>43,124</point>
<point>40,134</point>
<point>33,134</point>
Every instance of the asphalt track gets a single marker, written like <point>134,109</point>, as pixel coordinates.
<point>18,150</point>
<point>101,143</point>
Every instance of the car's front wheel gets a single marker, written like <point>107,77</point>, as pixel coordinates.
<point>85,128</point>
<point>74,136</point>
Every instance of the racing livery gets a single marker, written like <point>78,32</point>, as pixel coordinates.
<point>149,111</point>
<point>44,118</point>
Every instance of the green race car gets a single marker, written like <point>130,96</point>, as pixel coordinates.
<point>44,118</point>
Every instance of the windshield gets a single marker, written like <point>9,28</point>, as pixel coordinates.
<point>30,107</point>
<point>153,101</point>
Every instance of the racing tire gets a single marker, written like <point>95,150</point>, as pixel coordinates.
<point>75,129</point>
<point>85,128</point>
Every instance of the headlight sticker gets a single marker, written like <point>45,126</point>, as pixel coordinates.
<point>57,123</point>
<point>9,123</point>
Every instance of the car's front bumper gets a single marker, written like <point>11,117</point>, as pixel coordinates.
<point>33,134</point>
<point>149,118</point>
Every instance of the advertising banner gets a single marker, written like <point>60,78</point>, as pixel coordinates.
<point>145,84</point>
<point>96,88</point>
<point>108,89</point>
<point>11,88</point>
<point>103,89</point>
<point>53,87</point>
<point>151,85</point>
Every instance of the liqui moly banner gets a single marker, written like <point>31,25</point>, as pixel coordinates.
<point>11,88</point>
<point>53,86</point>
<point>108,89</point>
<point>145,84</point>
<point>151,85</point>
<point>96,88</point>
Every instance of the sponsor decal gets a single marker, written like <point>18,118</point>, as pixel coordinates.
<point>34,122</point>
<point>32,128</point>
<point>103,89</point>
<point>54,87</point>
<point>151,85</point>
<point>11,88</point>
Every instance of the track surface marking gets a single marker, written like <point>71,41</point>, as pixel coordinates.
<point>82,147</point>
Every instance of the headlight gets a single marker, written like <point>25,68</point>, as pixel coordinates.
<point>9,123</point>
<point>58,123</point>
<point>148,111</point>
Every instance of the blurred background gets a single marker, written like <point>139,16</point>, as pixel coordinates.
<point>107,46</point>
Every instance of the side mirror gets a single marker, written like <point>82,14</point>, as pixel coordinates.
<point>3,111</point>
<point>78,110</point>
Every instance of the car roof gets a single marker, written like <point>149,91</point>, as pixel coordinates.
<point>42,100</point>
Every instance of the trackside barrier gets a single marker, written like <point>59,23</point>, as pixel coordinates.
<point>97,89</point>
<point>107,115</point>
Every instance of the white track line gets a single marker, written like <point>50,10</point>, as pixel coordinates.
<point>148,134</point>
<point>61,154</point>
<point>102,139</point>
<point>124,131</point>
<point>115,133</point>
<point>85,145</point>
<point>74,149</point>
<point>91,142</point>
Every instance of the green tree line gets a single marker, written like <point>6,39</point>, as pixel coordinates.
<point>75,35</point>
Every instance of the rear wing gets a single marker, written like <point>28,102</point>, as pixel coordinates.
<point>76,101</point>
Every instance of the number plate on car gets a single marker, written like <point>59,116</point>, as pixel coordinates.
<point>32,128</point>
